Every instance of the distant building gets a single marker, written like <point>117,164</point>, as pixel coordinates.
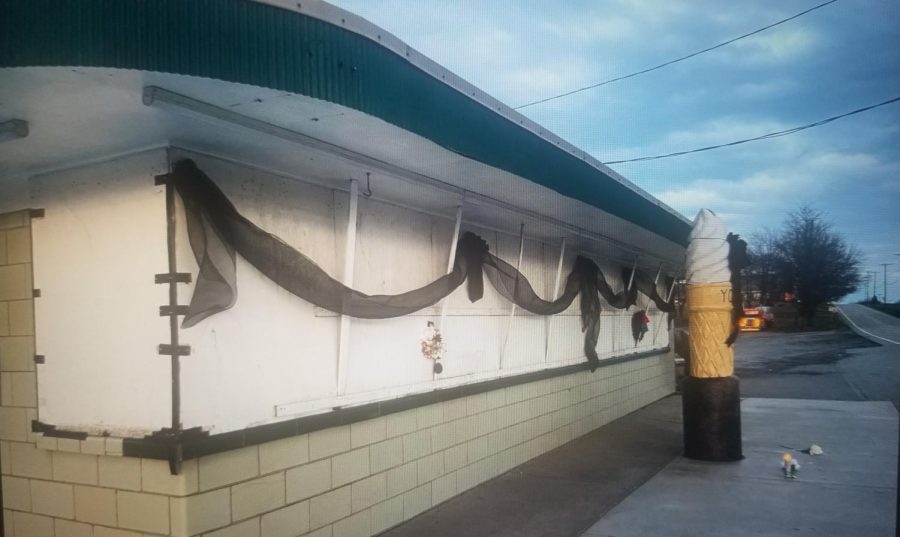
<point>365,157</point>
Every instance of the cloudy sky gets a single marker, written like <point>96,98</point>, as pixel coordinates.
<point>835,59</point>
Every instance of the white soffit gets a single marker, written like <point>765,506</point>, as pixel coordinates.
<point>79,115</point>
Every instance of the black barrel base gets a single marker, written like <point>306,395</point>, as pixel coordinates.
<point>712,419</point>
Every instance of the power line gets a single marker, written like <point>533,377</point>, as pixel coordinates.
<point>676,60</point>
<point>762,137</point>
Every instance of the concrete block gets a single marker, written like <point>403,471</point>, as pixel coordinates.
<point>321,532</point>
<point>430,467</point>
<point>155,477</point>
<point>3,242</point>
<point>485,422</point>
<point>329,442</point>
<point>67,528</point>
<point>248,528</point>
<point>443,488</point>
<point>5,466</point>
<point>53,499</point>
<point>463,430</point>
<point>143,512</point>
<point>386,514</point>
<point>14,282</point>
<point>16,353</point>
<point>257,496</point>
<point>454,409</point>
<point>6,389</point>
<point>29,525</point>
<point>285,453</point>
<point>75,468</point>
<point>119,472</point>
<point>401,479</point>
<point>479,448</point>
<point>349,467</point>
<point>16,493</point>
<point>95,505</point>
<point>21,317</point>
<point>13,424</point>
<point>288,521</point>
<point>14,219</point>
<point>515,394</point>
<point>28,461</point>
<point>487,468</point>
<point>386,454</point>
<point>229,467</point>
<point>202,512</point>
<point>18,245</point>
<point>114,446</point>
<point>329,507</point>
<point>416,445</point>
<point>70,445</point>
<point>495,399</point>
<point>442,437</point>
<point>93,445</point>
<point>24,389</point>
<point>476,404</point>
<point>455,457</point>
<point>416,501</point>
<point>400,423</point>
<point>358,525</point>
<point>367,492</point>
<point>308,480</point>
<point>368,432</point>
<point>4,319</point>
<point>429,415</point>
<point>103,531</point>
<point>8,527</point>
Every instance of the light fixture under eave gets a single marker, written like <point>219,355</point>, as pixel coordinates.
<point>13,129</point>
<point>209,113</point>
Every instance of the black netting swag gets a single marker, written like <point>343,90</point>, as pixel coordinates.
<point>216,231</point>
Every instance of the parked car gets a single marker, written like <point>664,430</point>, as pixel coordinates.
<point>754,320</point>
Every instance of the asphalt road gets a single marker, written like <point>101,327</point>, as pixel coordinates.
<point>836,365</point>
<point>872,324</point>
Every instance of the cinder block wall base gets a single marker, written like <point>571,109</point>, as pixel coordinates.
<point>350,481</point>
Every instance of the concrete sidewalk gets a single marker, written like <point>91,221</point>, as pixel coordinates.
<point>850,490</point>
<point>563,492</point>
<point>628,479</point>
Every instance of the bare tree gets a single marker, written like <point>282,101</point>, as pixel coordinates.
<point>763,285</point>
<point>814,262</point>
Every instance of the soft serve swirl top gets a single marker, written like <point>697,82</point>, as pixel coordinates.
<point>707,252</point>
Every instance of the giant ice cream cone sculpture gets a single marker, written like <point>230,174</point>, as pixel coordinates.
<point>711,394</point>
<point>709,298</point>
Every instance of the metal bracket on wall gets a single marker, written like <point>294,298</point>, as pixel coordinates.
<point>174,350</point>
<point>175,277</point>
<point>172,310</point>
<point>165,311</point>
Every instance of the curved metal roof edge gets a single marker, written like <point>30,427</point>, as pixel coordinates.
<point>337,16</point>
<point>313,53</point>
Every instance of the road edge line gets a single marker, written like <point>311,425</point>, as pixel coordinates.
<point>864,333</point>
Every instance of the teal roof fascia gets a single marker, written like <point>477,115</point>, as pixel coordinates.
<point>263,45</point>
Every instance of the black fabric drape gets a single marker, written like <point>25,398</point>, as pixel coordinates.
<point>217,231</point>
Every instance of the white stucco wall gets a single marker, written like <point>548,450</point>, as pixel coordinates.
<point>96,250</point>
<point>273,355</point>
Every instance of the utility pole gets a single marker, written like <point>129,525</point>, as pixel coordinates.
<point>874,276</point>
<point>884,283</point>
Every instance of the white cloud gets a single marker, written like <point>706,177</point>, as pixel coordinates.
<point>780,45</point>
<point>591,27</point>
<point>764,90</point>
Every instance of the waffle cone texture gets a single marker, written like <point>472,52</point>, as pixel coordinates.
<point>709,321</point>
